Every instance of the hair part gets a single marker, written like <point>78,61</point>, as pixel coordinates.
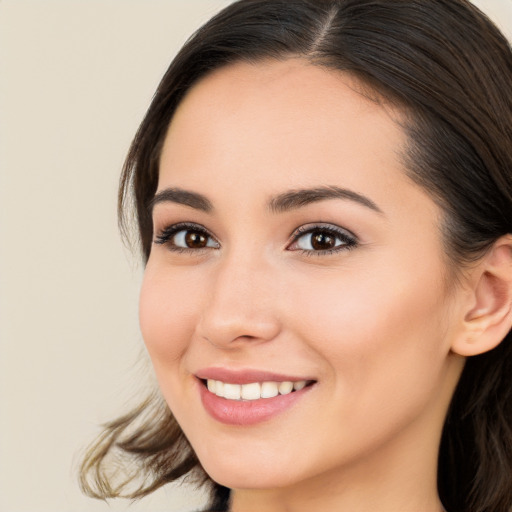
<point>450,69</point>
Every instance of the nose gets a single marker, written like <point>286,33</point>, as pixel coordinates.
<point>241,304</point>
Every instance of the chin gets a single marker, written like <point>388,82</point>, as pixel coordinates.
<point>250,478</point>
<point>245,471</point>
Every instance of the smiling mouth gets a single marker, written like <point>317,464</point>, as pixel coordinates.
<point>253,390</point>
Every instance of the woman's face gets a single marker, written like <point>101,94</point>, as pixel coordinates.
<point>291,248</point>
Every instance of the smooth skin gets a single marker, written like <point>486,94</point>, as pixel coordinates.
<point>379,322</point>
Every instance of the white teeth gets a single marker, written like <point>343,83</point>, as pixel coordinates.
<point>285,388</point>
<point>269,390</point>
<point>219,387</point>
<point>232,391</point>
<point>254,390</point>
<point>297,386</point>
<point>251,391</point>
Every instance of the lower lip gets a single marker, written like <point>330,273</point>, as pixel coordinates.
<point>247,412</point>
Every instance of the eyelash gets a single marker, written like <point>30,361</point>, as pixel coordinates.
<point>165,236</point>
<point>348,240</point>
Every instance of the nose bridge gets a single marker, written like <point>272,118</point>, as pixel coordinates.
<point>241,302</point>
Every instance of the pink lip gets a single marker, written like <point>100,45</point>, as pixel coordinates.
<point>250,412</point>
<point>246,376</point>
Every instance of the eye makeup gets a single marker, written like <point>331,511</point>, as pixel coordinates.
<point>186,236</point>
<point>318,239</point>
<point>322,239</point>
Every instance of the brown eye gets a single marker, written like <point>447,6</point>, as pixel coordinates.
<point>322,241</point>
<point>192,239</point>
<point>195,240</point>
<point>184,237</point>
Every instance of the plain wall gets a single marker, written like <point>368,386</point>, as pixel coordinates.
<point>75,80</point>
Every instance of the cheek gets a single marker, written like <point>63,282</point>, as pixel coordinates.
<point>383,345</point>
<point>374,330</point>
<point>167,317</point>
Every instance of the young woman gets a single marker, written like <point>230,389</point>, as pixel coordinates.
<point>323,192</point>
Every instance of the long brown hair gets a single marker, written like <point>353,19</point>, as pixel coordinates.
<point>450,69</point>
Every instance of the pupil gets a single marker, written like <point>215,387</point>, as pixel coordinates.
<point>195,240</point>
<point>322,241</point>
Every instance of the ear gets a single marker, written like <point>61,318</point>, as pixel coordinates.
<point>488,317</point>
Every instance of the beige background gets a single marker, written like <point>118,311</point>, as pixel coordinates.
<point>75,80</point>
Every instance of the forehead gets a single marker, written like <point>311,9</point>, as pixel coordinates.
<point>277,109</point>
<point>274,125</point>
<point>281,92</point>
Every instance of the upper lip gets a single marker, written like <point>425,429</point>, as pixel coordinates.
<point>246,376</point>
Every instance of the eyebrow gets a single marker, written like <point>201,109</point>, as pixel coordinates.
<point>290,200</point>
<point>184,197</point>
<point>294,199</point>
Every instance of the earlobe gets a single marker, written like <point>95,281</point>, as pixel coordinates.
<point>488,319</point>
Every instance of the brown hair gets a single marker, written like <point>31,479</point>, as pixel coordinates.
<point>450,69</point>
